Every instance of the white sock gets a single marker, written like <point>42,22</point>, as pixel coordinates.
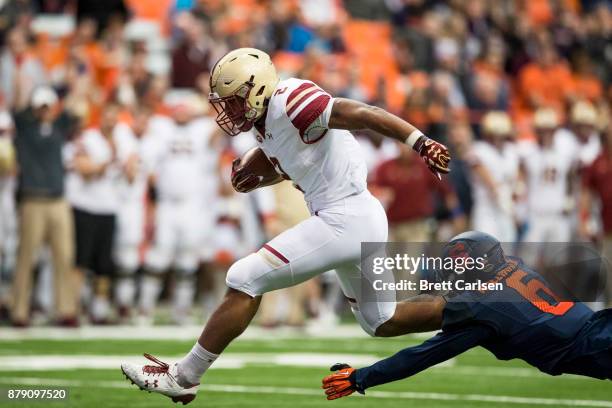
<point>193,366</point>
<point>125,290</point>
<point>182,301</point>
<point>99,308</point>
<point>149,292</point>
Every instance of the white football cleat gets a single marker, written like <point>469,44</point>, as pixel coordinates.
<point>160,378</point>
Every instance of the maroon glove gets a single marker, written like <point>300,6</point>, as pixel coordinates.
<point>244,181</point>
<point>434,154</point>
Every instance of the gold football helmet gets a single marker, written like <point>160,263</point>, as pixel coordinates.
<point>241,83</point>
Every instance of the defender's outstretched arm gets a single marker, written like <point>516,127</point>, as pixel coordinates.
<point>418,314</point>
<point>406,363</point>
<point>353,115</point>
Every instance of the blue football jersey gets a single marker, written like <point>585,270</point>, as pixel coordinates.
<point>528,320</point>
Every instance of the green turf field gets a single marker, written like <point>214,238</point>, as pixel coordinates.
<point>271,371</point>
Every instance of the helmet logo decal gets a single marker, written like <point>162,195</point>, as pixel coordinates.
<point>458,250</point>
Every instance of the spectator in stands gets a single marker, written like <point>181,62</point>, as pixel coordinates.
<point>16,13</point>
<point>92,191</point>
<point>587,85</point>
<point>40,133</point>
<point>597,29</point>
<point>193,56</point>
<point>546,81</point>
<point>19,65</point>
<point>597,185</point>
<point>487,86</point>
<point>447,102</point>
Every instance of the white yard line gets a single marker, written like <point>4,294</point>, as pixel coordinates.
<point>31,381</point>
<point>227,360</point>
<point>239,360</point>
<point>133,332</point>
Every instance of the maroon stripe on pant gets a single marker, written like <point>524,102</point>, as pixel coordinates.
<point>276,253</point>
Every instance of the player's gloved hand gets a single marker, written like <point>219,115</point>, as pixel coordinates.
<point>341,383</point>
<point>435,155</point>
<point>243,181</point>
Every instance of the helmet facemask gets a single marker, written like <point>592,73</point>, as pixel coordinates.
<point>234,115</point>
<point>241,84</point>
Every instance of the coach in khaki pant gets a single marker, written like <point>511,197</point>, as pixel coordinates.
<point>45,216</point>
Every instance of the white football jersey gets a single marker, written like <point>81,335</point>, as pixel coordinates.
<point>128,145</point>
<point>326,164</point>
<point>98,195</point>
<point>585,152</point>
<point>185,163</point>
<point>547,171</point>
<point>502,165</point>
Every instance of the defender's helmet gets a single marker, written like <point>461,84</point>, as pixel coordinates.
<point>241,84</point>
<point>475,245</point>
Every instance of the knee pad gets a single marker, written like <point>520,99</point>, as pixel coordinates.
<point>244,275</point>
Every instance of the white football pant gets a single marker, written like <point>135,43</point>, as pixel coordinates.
<point>330,239</point>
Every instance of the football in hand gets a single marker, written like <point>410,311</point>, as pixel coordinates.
<point>254,163</point>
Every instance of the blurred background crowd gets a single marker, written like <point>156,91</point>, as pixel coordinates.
<point>115,199</point>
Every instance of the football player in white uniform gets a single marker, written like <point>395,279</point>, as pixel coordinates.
<point>185,172</point>
<point>304,132</point>
<point>495,174</point>
<point>548,172</point>
<point>581,137</point>
<point>131,148</point>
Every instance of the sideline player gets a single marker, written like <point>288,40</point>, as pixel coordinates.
<point>495,171</point>
<point>133,140</point>
<point>303,131</point>
<point>549,173</point>
<point>184,171</point>
<point>524,320</point>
